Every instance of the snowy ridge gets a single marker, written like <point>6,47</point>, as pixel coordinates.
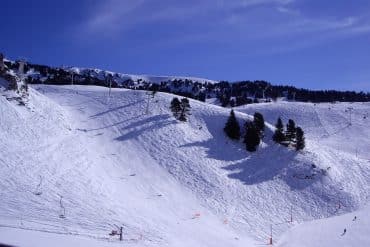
<point>101,74</point>
<point>227,94</point>
<point>169,183</point>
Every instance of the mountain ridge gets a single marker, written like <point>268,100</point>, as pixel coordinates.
<point>228,94</point>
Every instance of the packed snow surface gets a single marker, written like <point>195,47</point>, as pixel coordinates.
<point>350,230</point>
<point>77,163</point>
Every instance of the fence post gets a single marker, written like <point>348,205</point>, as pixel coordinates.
<point>291,214</point>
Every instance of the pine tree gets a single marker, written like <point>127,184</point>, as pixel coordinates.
<point>232,128</point>
<point>185,109</point>
<point>279,136</point>
<point>290,131</point>
<point>175,107</point>
<point>300,143</point>
<point>224,99</point>
<point>259,121</point>
<point>252,137</point>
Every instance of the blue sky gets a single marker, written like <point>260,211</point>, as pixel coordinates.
<point>318,44</point>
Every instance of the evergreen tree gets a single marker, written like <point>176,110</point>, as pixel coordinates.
<point>175,107</point>
<point>290,131</point>
<point>232,128</point>
<point>300,143</point>
<point>224,99</point>
<point>252,137</point>
<point>279,136</point>
<point>232,102</point>
<point>259,121</point>
<point>185,109</point>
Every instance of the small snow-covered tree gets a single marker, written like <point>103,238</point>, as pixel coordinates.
<point>279,136</point>
<point>290,131</point>
<point>252,137</point>
<point>300,140</point>
<point>259,122</point>
<point>185,109</point>
<point>232,128</point>
<point>175,107</point>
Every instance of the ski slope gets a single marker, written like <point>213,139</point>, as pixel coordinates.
<point>330,232</point>
<point>103,161</point>
<point>85,149</point>
<point>325,124</point>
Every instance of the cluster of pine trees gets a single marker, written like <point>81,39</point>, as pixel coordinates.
<point>180,109</point>
<point>291,136</point>
<point>254,132</point>
<point>247,92</point>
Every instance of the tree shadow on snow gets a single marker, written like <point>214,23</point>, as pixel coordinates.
<point>135,129</point>
<point>116,108</point>
<point>114,124</point>
<point>272,163</point>
<point>268,163</point>
<point>220,147</point>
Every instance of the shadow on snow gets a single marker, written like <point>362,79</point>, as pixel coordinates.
<point>135,129</point>
<point>268,163</point>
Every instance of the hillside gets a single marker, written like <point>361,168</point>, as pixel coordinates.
<point>227,94</point>
<point>330,232</point>
<point>167,183</point>
<point>333,126</point>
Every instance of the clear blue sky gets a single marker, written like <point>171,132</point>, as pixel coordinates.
<point>318,44</point>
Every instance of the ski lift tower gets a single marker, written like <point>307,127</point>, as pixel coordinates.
<point>72,75</point>
<point>263,92</point>
<point>350,109</point>
<point>21,64</point>
<point>109,81</point>
<point>294,93</point>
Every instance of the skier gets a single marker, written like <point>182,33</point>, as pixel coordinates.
<point>344,231</point>
<point>354,218</point>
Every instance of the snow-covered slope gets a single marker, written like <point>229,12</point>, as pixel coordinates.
<point>109,164</point>
<point>148,78</point>
<point>350,230</point>
<point>85,148</point>
<point>338,136</point>
<point>340,126</point>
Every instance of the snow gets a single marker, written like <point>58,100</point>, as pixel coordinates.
<point>20,237</point>
<point>169,183</point>
<point>330,232</point>
<point>81,150</point>
<point>148,78</point>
